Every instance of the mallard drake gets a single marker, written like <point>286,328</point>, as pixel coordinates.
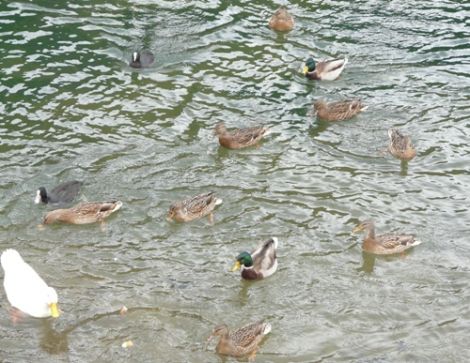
<point>259,264</point>
<point>400,145</point>
<point>194,208</point>
<point>83,213</point>
<point>239,138</point>
<point>140,60</point>
<point>281,20</point>
<point>385,244</point>
<point>25,289</point>
<point>338,111</point>
<point>241,342</point>
<point>325,70</point>
<point>62,193</point>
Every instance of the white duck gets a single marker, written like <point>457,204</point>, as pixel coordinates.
<point>25,289</point>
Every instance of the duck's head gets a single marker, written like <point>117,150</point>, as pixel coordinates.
<point>319,104</point>
<point>10,259</point>
<point>364,226</point>
<point>244,259</point>
<point>220,129</point>
<point>309,65</point>
<point>41,196</point>
<point>52,300</point>
<point>172,212</point>
<point>219,330</point>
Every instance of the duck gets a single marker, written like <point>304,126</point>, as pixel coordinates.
<point>141,60</point>
<point>239,138</point>
<point>400,145</point>
<point>281,20</point>
<point>63,193</point>
<point>83,213</point>
<point>260,264</point>
<point>241,342</point>
<point>193,208</point>
<point>385,244</point>
<point>25,289</point>
<point>339,110</point>
<point>324,70</point>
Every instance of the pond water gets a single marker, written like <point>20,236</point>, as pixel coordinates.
<point>72,108</point>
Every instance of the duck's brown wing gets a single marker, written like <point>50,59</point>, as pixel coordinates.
<point>249,135</point>
<point>391,241</point>
<point>247,335</point>
<point>199,203</point>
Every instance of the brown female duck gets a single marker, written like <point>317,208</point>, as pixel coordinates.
<point>239,138</point>
<point>400,145</point>
<point>385,244</point>
<point>196,207</point>
<point>83,213</point>
<point>338,111</point>
<point>259,264</point>
<point>241,342</point>
<point>281,20</point>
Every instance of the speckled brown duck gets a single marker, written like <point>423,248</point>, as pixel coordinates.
<point>83,213</point>
<point>281,20</point>
<point>400,145</point>
<point>339,110</point>
<point>193,208</point>
<point>385,244</point>
<point>242,342</point>
<point>239,138</point>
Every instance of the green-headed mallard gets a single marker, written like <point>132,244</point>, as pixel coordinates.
<point>324,70</point>
<point>385,244</point>
<point>141,60</point>
<point>338,111</point>
<point>25,289</point>
<point>241,342</point>
<point>400,145</point>
<point>239,138</point>
<point>259,264</point>
<point>83,213</point>
<point>194,208</point>
<point>281,20</point>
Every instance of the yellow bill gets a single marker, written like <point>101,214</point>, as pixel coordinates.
<point>305,69</point>
<point>54,310</point>
<point>236,266</point>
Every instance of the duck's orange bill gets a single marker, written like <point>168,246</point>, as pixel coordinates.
<point>54,310</point>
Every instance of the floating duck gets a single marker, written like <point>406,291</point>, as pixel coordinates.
<point>62,193</point>
<point>259,264</point>
<point>141,60</point>
<point>83,213</point>
<point>239,138</point>
<point>281,20</point>
<point>400,145</point>
<point>325,70</point>
<point>338,111</point>
<point>25,289</point>
<point>385,244</point>
<point>241,342</point>
<point>194,208</point>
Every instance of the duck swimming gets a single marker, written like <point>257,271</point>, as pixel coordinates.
<point>239,138</point>
<point>325,70</point>
<point>83,213</point>
<point>400,145</point>
<point>260,263</point>
<point>193,208</point>
<point>281,20</point>
<point>241,342</point>
<point>25,289</point>
<point>384,244</point>
<point>338,111</point>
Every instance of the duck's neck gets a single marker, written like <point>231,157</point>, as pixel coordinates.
<point>370,232</point>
